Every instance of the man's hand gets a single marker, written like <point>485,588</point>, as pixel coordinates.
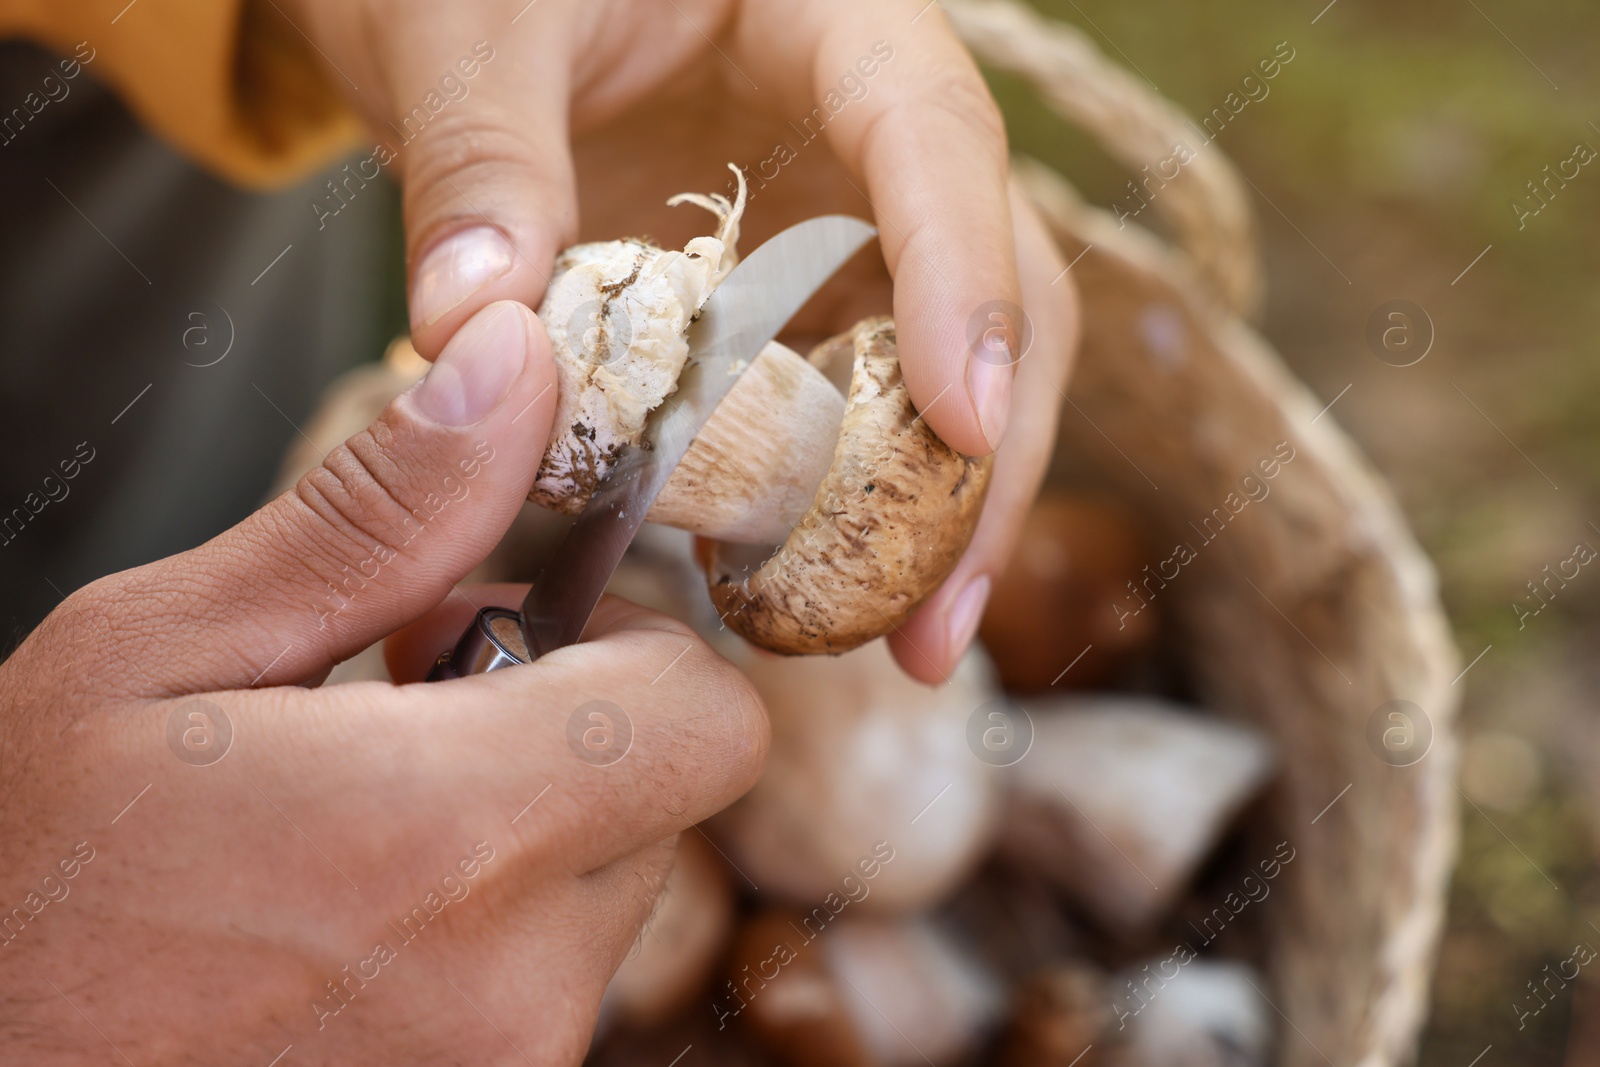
<point>829,105</point>
<point>205,859</point>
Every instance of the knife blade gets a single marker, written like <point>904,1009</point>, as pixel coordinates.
<point>746,311</point>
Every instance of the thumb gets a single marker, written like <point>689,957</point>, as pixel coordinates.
<point>370,540</point>
<point>490,194</point>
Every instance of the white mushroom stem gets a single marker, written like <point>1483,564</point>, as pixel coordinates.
<point>618,314</point>
<point>753,471</point>
<point>864,763</point>
<point>1210,1014</point>
<point>859,991</point>
<point>1121,798</point>
<point>900,978</point>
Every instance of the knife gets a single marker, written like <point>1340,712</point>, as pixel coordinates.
<point>746,311</point>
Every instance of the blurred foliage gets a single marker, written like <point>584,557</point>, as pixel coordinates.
<point>1387,155</point>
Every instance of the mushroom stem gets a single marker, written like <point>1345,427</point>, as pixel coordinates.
<point>752,472</point>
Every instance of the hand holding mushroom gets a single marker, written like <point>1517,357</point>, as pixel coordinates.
<point>625,100</point>
<point>858,530</point>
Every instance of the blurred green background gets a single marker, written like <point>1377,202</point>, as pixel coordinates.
<point>1387,157</point>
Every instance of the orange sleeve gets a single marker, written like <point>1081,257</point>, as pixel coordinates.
<point>229,83</point>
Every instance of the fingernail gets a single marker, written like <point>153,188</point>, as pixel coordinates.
<point>965,613</point>
<point>989,383</point>
<point>477,367</point>
<point>456,268</point>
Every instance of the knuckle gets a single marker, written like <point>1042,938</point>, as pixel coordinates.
<point>948,104</point>
<point>93,640</point>
<point>63,647</point>
<point>951,109</point>
<point>361,494</point>
<point>476,149</point>
<point>965,98</point>
<point>709,716</point>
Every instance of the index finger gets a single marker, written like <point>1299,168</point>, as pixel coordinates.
<point>623,740</point>
<point>929,141</point>
<point>641,729</point>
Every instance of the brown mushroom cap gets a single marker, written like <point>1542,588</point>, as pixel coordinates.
<point>888,523</point>
<point>1057,1015</point>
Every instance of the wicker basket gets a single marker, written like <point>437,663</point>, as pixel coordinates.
<point>1307,616</point>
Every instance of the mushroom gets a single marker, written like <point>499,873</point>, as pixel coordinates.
<point>780,988</point>
<point>1057,615</point>
<point>1057,1016</point>
<point>858,509</point>
<point>858,992</point>
<point>681,943</point>
<point>1211,1014</point>
<point>618,314</point>
<point>868,779</point>
<point>1121,798</point>
<point>870,508</point>
<point>888,523</point>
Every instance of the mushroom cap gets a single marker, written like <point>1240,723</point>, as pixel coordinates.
<point>1057,1014</point>
<point>1060,599</point>
<point>832,989</point>
<point>887,525</point>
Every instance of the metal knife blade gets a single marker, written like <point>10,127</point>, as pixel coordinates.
<point>746,311</point>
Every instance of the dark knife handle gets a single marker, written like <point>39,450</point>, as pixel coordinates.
<point>493,641</point>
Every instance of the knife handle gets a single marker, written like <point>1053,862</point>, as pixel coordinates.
<point>493,641</point>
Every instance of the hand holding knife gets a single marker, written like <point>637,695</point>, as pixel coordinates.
<point>746,311</point>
